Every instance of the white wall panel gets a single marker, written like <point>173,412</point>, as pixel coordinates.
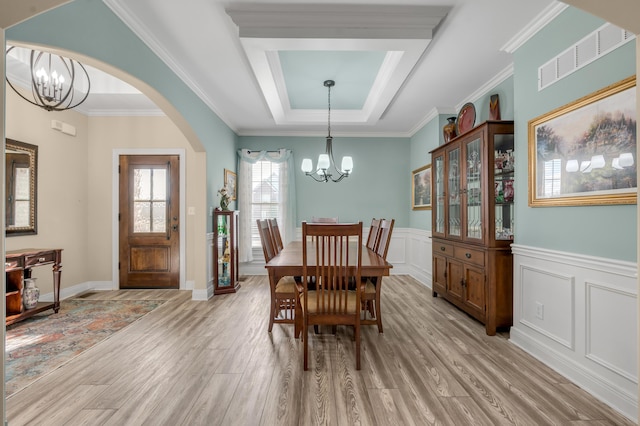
<point>598,297</point>
<point>547,303</point>
<point>607,329</point>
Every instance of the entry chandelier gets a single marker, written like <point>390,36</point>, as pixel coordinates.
<point>326,163</point>
<point>54,81</point>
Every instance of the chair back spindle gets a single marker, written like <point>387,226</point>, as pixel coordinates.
<point>275,235</point>
<point>266,240</point>
<point>374,234</point>
<point>386,228</point>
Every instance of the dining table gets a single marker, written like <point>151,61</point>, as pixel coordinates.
<point>289,263</point>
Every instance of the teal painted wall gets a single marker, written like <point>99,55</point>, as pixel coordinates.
<point>379,186</point>
<point>607,231</point>
<point>423,141</point>
<point>90,28</point>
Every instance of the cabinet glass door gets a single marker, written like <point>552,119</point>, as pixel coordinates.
<point>438,194</point>
<point>503,184</point>
<point>453,198</point>
<point>473,190</point>
<point>224,277</point>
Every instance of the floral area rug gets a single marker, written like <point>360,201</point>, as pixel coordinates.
<point>44,342</point>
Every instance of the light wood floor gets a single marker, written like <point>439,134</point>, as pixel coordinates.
<point>214,363</point>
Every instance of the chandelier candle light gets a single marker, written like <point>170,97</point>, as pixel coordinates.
<point>53,81</point>
<point>326,161</point>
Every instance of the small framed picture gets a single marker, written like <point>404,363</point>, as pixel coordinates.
<point>421,188</point>
<point>230,183</point>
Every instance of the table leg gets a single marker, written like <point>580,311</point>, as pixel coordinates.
<point>56,283</point>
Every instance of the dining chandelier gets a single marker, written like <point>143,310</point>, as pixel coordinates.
<point>327,169</point>
<point>55,81</point>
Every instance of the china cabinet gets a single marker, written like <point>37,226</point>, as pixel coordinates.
<point>225,251</point>
<point>473,222</point>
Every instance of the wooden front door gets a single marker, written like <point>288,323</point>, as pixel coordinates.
<point>149,227</point>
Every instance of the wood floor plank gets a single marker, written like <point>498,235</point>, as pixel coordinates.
<point>61,407</point>
<point>389,408</point>
<point>463,410</point>
<point>211,405</point>
<point>90,418</point>
<point>351,394</point>
<point>214,363</point>
<point>282,405</point>
<point>318,405</point>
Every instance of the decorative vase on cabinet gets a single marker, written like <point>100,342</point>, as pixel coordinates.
<point>449,129</point>
<point>473,221</point>
<point>225,251</point>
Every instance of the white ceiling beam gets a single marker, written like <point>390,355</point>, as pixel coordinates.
<point>336,21</point>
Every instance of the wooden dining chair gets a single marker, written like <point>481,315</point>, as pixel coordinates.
<point>329,260</point>
<point>275,235</point>
<point>285,294</point>
<point>265,239</point>
<point>372,286</point>
<point>324,219</point>
<point>386,228</point>
<point>374,233</point>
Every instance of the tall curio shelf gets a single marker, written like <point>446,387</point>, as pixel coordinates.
<point>473,222</point>
<point>225,251</point>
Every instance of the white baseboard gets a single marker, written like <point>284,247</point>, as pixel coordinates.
<point>67,292</point>
<point>202,294</point>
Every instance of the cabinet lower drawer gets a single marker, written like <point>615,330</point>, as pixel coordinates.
<point>42,258</point>
<point>442,249</point>
<point>469,255</point>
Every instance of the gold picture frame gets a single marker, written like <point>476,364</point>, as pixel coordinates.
<point>421,188</point>
<point>584,153</point>
<point>230,182</point>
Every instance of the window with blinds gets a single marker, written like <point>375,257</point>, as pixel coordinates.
<point>265,196</point>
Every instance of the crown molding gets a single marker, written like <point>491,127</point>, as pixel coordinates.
<point>118,7</point>
<point>539,22</point>
<point>488,86</point>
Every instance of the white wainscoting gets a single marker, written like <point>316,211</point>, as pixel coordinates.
<point>409,253</point>
<point>578,315</point>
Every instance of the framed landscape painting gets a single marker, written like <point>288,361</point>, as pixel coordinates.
<point>421,188</point>
<point>230,183</point>
<point>584,153</point>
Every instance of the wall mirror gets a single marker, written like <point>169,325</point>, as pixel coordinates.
<point>21,168</point>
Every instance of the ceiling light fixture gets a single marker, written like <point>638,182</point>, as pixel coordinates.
<point>325,161</point>
<point>54,81</point>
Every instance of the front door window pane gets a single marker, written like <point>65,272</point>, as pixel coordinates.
<point>150,200</point>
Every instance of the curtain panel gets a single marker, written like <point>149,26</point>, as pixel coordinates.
<point>287,223</point>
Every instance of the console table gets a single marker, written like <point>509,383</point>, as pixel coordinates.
<point>17,267</point>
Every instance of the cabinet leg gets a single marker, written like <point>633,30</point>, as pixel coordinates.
<point>56,286</point>
<point>491,329</point>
